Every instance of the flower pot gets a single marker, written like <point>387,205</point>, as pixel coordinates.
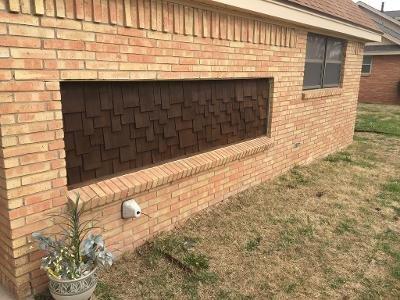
<point>76,289</point>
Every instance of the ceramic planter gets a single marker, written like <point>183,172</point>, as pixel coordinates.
<point>77,289</point>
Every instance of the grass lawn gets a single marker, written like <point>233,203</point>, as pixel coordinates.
<point>327,230</point>
<point>384,119</point>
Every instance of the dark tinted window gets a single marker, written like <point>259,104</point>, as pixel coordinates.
<point>324,59</point>
<point>314,61</point>
<point>313,79</point>
<point>332,75</point>
<point>315,47</point>
<point>334,51</point>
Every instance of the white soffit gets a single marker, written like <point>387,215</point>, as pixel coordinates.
<point>301,16</point>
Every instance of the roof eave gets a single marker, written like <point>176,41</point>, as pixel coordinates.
<point>392,39</point>
<point>300,16</point>
<point>381,53</point>
<point>377,12</point>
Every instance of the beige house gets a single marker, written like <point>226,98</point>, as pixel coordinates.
<point>176,104</point>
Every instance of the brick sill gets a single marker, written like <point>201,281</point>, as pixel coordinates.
<point>320,93</point>
<point>121,187</point>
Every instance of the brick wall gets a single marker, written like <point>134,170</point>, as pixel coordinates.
<point>382,85</point>
<point>130,40</point>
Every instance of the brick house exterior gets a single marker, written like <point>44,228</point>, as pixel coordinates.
<point>380,78</point>
<point>43,43</point>
<point>382,84</point>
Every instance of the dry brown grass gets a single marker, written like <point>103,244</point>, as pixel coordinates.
<point>327,230</point>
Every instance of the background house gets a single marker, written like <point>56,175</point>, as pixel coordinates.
<point>395,14</point>
<point>179,104</point>
<point>380,81</point>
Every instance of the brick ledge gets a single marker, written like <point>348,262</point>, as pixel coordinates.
<point>311,94</point>
<point>127,185</point>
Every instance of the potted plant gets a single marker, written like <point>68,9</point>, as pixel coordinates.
<point>72,259</point>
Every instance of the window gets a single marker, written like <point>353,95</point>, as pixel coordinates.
<point>324,59</point>
<point>366,65</point>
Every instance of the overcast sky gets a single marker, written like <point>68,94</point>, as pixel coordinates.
<point>389,4</point>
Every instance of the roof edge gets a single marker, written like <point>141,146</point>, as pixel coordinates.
<point>303,17</point>
<point>392,39</point>
<point>381,53</point>
<point>377,12</point>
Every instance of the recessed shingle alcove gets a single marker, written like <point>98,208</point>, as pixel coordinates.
<point>112,127</point>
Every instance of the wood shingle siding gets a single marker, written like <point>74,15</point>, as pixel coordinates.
<point>115,126</point>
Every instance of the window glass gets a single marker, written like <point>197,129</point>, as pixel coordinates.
<point>315,55</point>
<point>366,69</point>
<point>332,74</point>
<point>367,60</point>
<point>366,65</point>
<point>313,75</point>
<point>334,51</point>
<point>315,47</point>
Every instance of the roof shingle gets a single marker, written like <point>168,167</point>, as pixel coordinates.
<point>345,10</point>
<point>394,14</point>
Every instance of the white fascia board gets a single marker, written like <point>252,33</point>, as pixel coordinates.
<point>293,14</point>
<point>381,53</point>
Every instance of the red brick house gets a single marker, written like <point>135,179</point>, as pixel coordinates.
<point>380,79</point>
<point>177,104</point>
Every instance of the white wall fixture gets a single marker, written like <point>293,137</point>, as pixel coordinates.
<point>130,209</point>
